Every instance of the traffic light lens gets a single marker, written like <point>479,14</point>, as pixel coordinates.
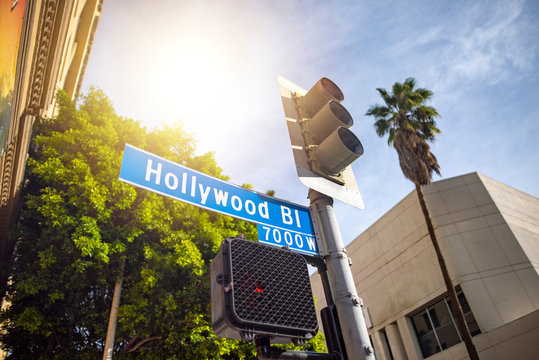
<point>341,113</point>
<point>332,89</point>
<point>350,141</point>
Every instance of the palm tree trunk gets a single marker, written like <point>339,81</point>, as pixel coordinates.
<point>457,310</point>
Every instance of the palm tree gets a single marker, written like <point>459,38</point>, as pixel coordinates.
<point>410,125</point>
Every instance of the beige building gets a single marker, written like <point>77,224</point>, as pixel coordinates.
<point>44,45</point>
<point>489,234</point>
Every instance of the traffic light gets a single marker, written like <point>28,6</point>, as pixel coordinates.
<point>258,289</point>
<point>322,143</point>
<point>325,123</point>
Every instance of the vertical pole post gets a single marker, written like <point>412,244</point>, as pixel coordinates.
<point>113,318</point>
<point>353,328</point>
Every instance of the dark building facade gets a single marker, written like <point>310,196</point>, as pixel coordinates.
<point>45,46</point>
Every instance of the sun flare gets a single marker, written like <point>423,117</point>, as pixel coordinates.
<point>188,73</point>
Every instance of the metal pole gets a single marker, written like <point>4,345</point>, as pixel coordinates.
<point>354,330</point>
<point>113,318</point>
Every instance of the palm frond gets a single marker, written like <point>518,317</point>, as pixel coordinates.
<point>434,128</point>
<point>383,92</point>
<point>430,111</point>
<point>382,126</point>
<point>391,137</point>
<point>397,89</point>
<point>410,125</point>
<point>424,94</point>
<point>378,111</point>
<point>389,99</point>
<point>406,111</point>
<point>410,82</point>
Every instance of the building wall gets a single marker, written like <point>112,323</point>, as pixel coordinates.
<point>489,238</point>
<point>56,39</point>
<point>521,212</point>
<point>477,217</point>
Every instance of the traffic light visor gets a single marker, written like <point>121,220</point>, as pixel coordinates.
<point>338,150</point>
<point>322,92</point>
<point>330,117</point>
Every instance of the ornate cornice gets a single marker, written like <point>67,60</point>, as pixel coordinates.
<point>43,48</point>
<point>7,174</point>
<point>88,49</point>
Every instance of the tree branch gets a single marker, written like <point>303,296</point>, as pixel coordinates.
<point>142,342</point>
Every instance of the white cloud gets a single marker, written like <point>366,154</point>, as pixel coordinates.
<point>488,45</point>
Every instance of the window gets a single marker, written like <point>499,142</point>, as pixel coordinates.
<point>436,328</point>
<point>386,342</point>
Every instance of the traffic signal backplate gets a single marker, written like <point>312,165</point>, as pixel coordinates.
<point>349,192</point>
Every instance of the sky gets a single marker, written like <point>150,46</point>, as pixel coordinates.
<point>213,65</point>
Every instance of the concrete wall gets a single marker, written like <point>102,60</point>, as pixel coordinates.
<point>490,231</point>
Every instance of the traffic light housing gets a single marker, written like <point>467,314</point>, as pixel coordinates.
<point>322,143</point>
<point>263,290</point>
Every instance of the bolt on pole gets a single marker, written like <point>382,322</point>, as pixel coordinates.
<point>347,302</point>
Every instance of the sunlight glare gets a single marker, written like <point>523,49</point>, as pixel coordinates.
<point>188,73</point>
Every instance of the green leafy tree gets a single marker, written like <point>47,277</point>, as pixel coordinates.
<point>410,124</point>
<point>79,226</point>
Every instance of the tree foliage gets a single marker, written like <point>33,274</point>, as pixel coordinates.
<point>80,223</point>
<point>410,124</point>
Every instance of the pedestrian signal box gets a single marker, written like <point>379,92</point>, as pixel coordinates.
<point>262,290</point>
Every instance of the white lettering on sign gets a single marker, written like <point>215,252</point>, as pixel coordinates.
<point>276,235</point>
<point>263,210</point>
<point>172,181</point>
<point>204,193</point>
<point>150,171</point>
<point>288,238</point>
<point>184,183</point>
<point>174,184</point>
<point>250,207</point>
<point>220,196</point>
<point>287,216</point>
<point>297,241</point>
<point>193,186</point>
<point>236,203</point>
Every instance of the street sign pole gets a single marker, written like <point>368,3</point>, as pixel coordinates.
<point>347,302</point>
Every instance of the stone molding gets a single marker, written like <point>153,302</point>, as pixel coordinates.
<point>43,48</point>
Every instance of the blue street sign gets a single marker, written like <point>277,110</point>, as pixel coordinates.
<point>280,223</point>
